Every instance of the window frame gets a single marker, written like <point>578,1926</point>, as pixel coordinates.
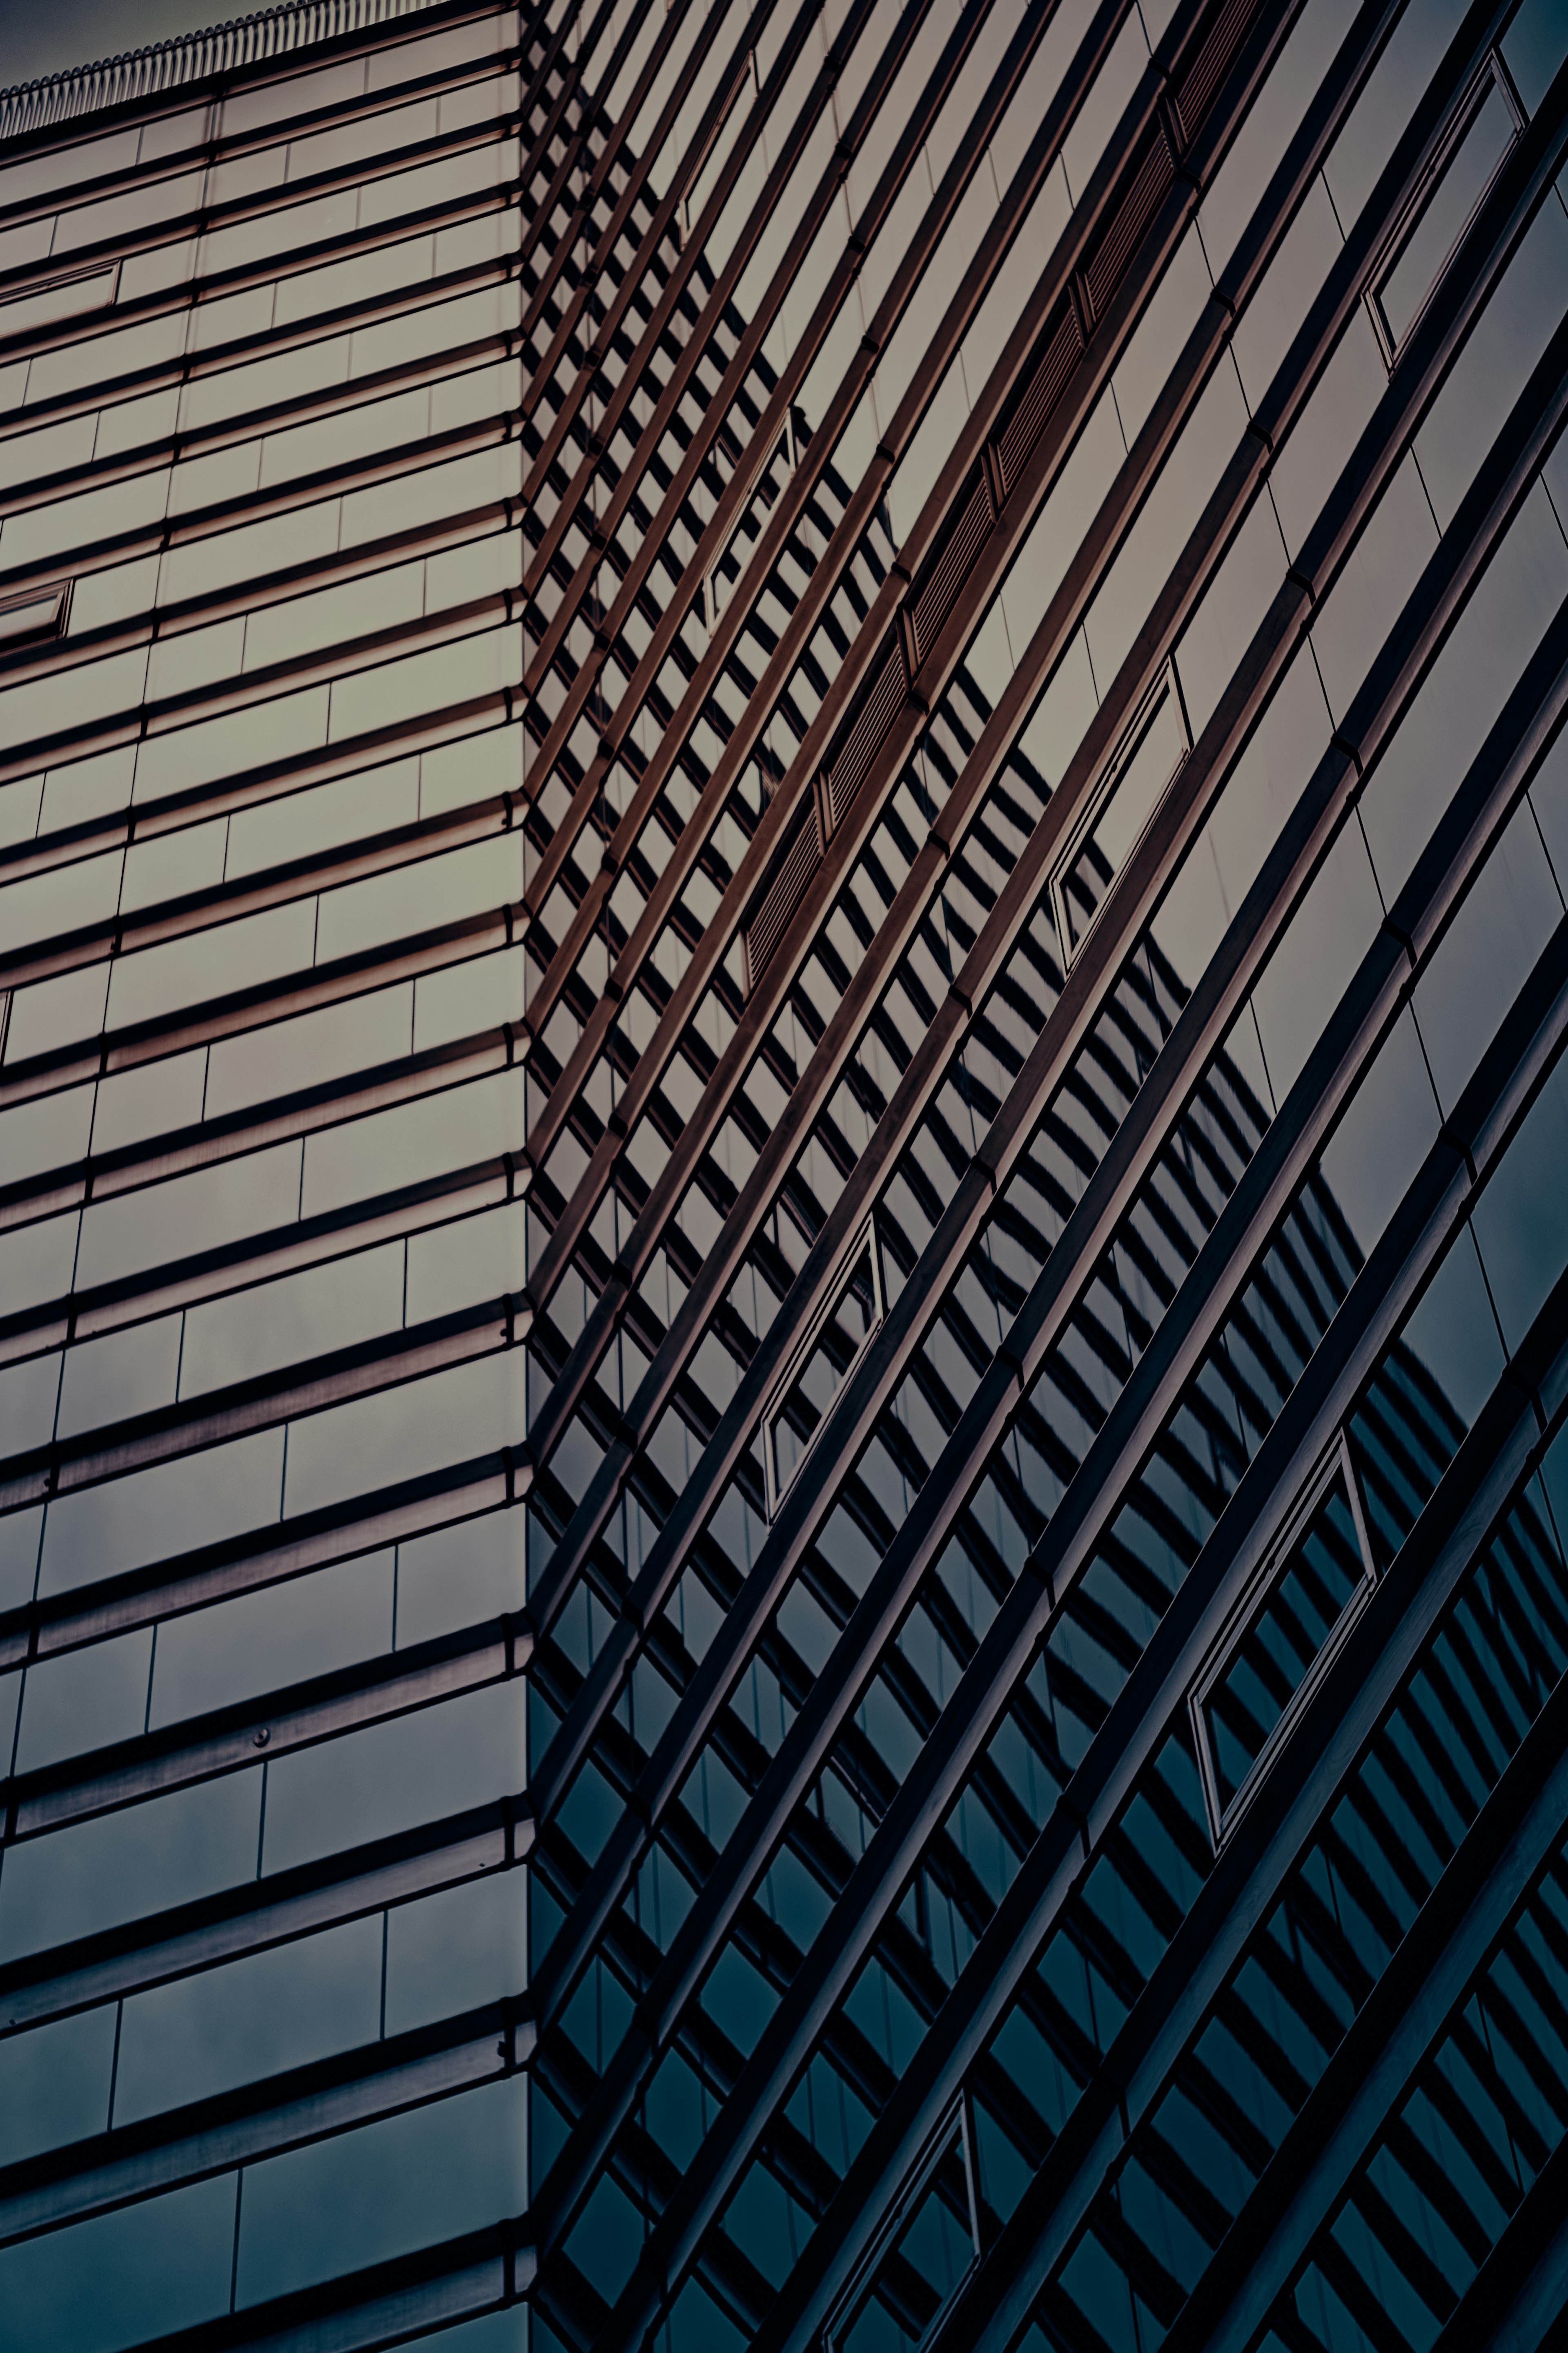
<point>954,2124</point>
<point>1166,682</point>
<point>864,1243</point>
<point>1492,72</point>
<point>27,310</point>
<point>1335,1465</point>
<point>54,597</point>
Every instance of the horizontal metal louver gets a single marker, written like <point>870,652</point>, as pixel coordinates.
<point>1060,347</point>
<point>793,867</point>
<point>1195,92</point>
<point>848,770</point>
<point>1137,209</point>
<point>950,568</point>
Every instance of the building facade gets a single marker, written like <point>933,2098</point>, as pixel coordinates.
<point>784,1261</point>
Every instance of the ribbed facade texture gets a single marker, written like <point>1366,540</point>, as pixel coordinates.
<point>783,1180</point>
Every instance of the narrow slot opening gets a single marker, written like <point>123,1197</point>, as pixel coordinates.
<point>1133,785</point>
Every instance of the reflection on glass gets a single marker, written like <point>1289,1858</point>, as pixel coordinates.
<point>1486,126</point>
<point>894,2305</point>
<point>1147,758</point>
<point>1285,1640</point>
<point>843,1331</point>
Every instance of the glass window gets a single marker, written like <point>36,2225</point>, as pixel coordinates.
<point>121,1866</point>
<point>1117,811</point>
<point>205,965</point>
<point>204,2034</point>
<point>59,298</point>
<point>161,1223</point>
<point>158,1513</point>
<point>361,277</point>
<point>301,93</point>
<point>68,697</point>
<point>49,450</point>
<point>81,368</point>
<point>831,1347</point>
<point>398,1433</point>
<point>245,244</point>
<point>38,535</point>
<point>211,748</point>
<point>279,1634</point>
<point>105,1380</point>
<point>263,1330</point>
<point>363,2196</point>
<point>69,167</point>
<point>121,2278</point>
<point>54,2083</point>
<point>61,900</point>
<point>924,2250</point>
<point>130,209</point>
<point>1471,152</point>
<point>437,53</point>
<point>382,1777</point>
<point>1281,1640</point>
<point>463,1127</point>
<point>443,676</point>
<point>88,1699</point>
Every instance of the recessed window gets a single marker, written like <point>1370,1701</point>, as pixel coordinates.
<point>828,1353</point>
<point>1281,1640</point>
<point>60,298</point>
<point>1429,232</point>
<point>40,613</point>
<point>920,2257</point>
<point>1119,808</point>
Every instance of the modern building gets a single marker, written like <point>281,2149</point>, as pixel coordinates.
<point>784,1259</point>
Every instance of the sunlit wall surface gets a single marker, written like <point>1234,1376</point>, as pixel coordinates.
<point>782,1222</point>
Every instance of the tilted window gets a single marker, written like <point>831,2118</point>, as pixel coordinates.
<point>925,2248</point>
<point>37,613</point>
<point>1116,812</point>
<point>1473,149</point>
<point>827,1353</point>
<point>67,297</point>
<point>1281,1640</point>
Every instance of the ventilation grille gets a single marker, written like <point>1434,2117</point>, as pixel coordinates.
<point>950,568</point>
<point>1061,347</point>
<point>1137,209</point>
<point>794,865</point>
<point>1212,64</point>
<point>880,708</point>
